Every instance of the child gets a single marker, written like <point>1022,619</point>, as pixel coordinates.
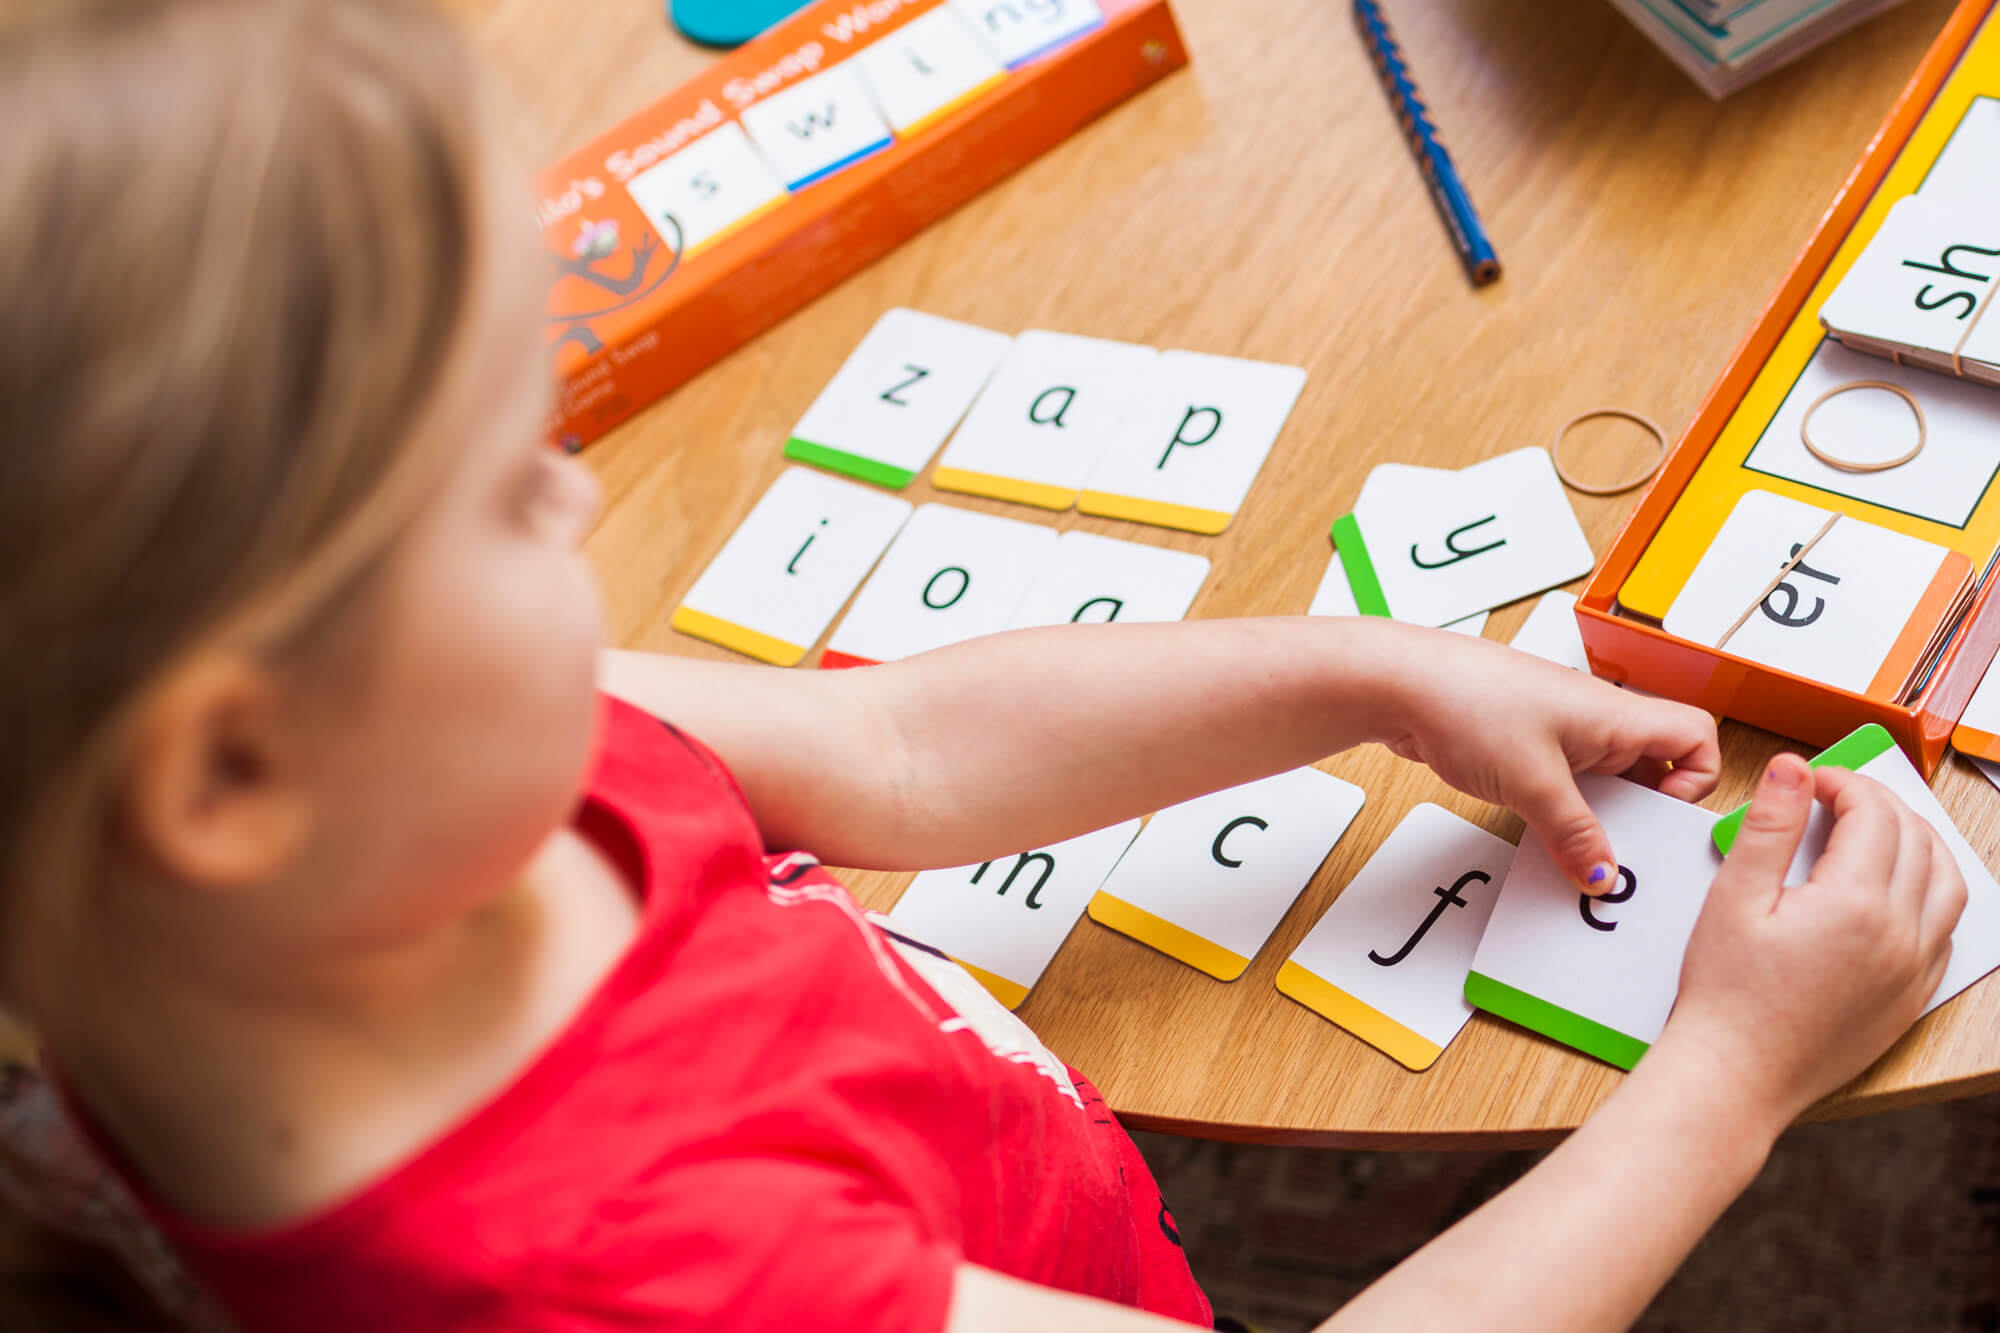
<point>411,984</point>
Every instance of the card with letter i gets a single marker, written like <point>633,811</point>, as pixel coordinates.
<point>1055,403</point>
<point>1204,428</point>
<point>951,575</point>
<point>886,411</point>
<point>1388,960</point>
<point>1209,879</point>
<point>786,571</point>
<point>1096,580</point>
<point>1975,943</point>
<point>1600,974</point>
<point>1003,920</point>
<point>926,69</point>
<point>1859,611</point>
<point>1431,546</point>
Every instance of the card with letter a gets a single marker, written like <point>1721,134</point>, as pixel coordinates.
<point>886,411</point>
<point>1432,546</point>
<point>1209,879</point>
<point>951,575</point>
<point>1056,402</point>
<point>1186,460</point>
<point>1857,612</point>
<point>1600,974</point>
<point>1003,920</point>
<point>1096,580</point>
<point>1975,943</point>
<point>1388,960</point>
<point>785,573</point>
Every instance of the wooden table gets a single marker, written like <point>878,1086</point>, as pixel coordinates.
<point>1261,204</point>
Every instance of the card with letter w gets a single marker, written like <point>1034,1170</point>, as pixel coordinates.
<point>1433,546</point>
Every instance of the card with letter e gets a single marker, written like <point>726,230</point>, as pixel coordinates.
<point>1856,613</point>
<point>886,411</point>
<point>1335,597</point>
<point>1975,942</point>
<point>1388,960</point>
<point>1600,974</point>
<point>1003,920</point>
<point>1095,580</point>
<point>786,571</point>
<point>1977,734</point>
<point>1056,402</point>
<point>1431,547</point>
<point>1203,428</point>
<point>951,575</point>
<point>1208,880</point>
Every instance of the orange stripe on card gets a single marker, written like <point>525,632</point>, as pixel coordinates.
<point>1979,744</point>
<point>1156,512</point>
<point>1370,1024</point>
<point>1037,493</point>
<point>730,635</point>
<point>1170,939</point>
<point>1919,628</point>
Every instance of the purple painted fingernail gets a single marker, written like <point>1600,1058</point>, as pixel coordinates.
<point>1599,873</point>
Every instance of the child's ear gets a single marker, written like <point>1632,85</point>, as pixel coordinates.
<point>214,789</point>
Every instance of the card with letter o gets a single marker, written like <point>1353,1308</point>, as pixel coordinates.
<point>1208,880</point>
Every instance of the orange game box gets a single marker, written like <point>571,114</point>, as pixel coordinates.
<point>797,160</point>
<point>1633,649</point>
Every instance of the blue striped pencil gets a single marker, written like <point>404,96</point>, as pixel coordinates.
<point>1474,250</point>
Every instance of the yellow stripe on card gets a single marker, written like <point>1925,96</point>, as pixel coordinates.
<point>1170,939</point>
<point>1007,992</point>
<point>730,635</point>
<point>1156,512</point>
<point>761,210</point>
<point>1373,1026</point>
<point>1037,493</point>
<point>919,126</point>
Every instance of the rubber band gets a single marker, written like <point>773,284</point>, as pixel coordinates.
<point>1977,315</point>
<point>1847,465</point>
<point>1555,450</point>
<point>1772,586</point>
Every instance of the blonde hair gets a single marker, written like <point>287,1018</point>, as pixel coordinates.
<point>235,246</point>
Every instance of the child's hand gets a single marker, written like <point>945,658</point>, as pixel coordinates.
<point>1515,730</point>
<point>1792,992</point>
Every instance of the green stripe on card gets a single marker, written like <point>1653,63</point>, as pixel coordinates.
<point>1360,570</point>
<point>1571,1029</point>
<point>854,465</point>
<point>1859,747</point>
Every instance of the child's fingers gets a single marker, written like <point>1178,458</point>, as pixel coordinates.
<point>1769,838</point>
<point>1556,811</point>
<point>1944,899</point>
<point>1861,851</point>
<point>1910,882</point>
<point>1686,740</point>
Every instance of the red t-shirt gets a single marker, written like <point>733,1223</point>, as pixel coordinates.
<point>774,1114</point>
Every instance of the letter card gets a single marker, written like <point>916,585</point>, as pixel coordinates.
<point>1919,286</point>
<point>1432,547</point>
<point>710,188</point>
<point>1978,732</point>
<point>783,574</point>
<point>1004,919</point>
<point>1094,580</point>
<point>1600,974</point>
<point>1052,406</point>
<point>889,407</point>
<point>1335,597</point>
<point>817,126</point>
<point>1209,879</point>
<point>1857,612</point>
<point>1020,30</point>
<point>926,69</point>
<point>1550,632</point>
<point>1203,430</point>
<point>1388,960</point>
<point>1975,943</point>
<point>952,575</point>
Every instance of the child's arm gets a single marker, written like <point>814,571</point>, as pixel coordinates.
<point>1785,995</point>
<point>1028,738</point>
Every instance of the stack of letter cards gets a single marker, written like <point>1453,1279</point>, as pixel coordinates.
<point>1918,293</point>
<point>1864,609</point>
<point>1003,920</point>
<point>1388,961</point>
<point>1208,880</point>
<point>1433,546</point>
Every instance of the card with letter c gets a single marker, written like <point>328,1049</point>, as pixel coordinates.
<point>1209,879</point>
<point>784,573</point>
<point>1388,960</point>
<point>1003,920</point>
